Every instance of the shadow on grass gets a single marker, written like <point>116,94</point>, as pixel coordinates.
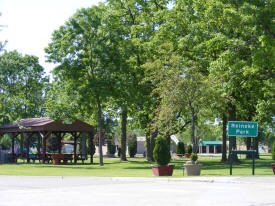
<point>139,168</point>
<point>73,167</point>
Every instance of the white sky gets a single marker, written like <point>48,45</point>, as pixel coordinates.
<point>30,23</point>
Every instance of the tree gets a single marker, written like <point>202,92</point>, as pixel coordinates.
<point>132,144</point>
<point>22,87</point>
<point>86,54</point>
<point>235,53</point>
<point>182,90</point>
<point>133,20</point>
<point>162,151</point>
<point>180,149</point>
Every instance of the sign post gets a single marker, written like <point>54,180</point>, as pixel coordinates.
<point>244,129</point>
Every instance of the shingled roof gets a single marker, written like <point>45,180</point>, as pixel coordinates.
<point>45,124</point>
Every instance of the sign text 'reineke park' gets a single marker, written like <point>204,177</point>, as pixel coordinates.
<point>246,129</point>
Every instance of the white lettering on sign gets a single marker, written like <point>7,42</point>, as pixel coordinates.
<point>238,131</point>
<point>242,128</point>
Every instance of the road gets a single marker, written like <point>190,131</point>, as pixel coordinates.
<point>97,191</point>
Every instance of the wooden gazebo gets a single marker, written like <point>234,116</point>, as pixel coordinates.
<point>45,128</point>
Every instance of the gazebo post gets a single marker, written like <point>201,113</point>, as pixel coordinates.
<point>76,136</point>
<point>75,147</point>
<point>28,146</point>
<point>12,147</point>
<point>91,141</point>
<point>44,144</point>
<point>38,144</point>
<point>13,136</point>
<point>21,145</point>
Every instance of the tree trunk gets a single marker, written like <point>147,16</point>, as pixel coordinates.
<point>83,147</point>
<point>248,139</point>
<point>92,147</point>
<point>149,152</point>
<point>123,133</point>
<point>232,117</point>
<point>224,124</point>
<point>153,142</point>
<point>99,130</point>
<point>193,139</point>
<point>168,138</point>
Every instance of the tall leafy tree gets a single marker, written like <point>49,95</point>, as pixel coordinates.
<point>134,21</point>
<point>86,55</point>
<point>234,43</point>
<point>22,87</point>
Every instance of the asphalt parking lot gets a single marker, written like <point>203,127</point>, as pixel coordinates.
<point>82,191</point>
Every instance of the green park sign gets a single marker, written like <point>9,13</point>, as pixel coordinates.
<point>245,129</point>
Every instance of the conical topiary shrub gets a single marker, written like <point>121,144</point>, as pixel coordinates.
<point>111,147</point>
<point>161,151</point>
<point>132,144</point>
<point>273,157</point>
<point>180,150</point>
<point>273,151</point>
<point>189,149</point>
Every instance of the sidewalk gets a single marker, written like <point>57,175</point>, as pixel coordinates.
<point>122,191</point>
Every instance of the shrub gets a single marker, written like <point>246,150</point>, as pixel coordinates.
<point>111,148</point>
<point>189,149</point>
<point>118,151</point>
<point>273,151</point>
<point>93,149</point>
<point>180,150</point>
<point>194,157</point>
<point>132,144</point>
<point>161,151</point>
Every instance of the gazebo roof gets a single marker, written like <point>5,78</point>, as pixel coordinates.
<point>210,143</point>
<point>45,124</point>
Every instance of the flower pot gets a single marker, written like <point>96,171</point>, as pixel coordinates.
<point>187,155</point>
<point>193,169</point>
<point>273,167</point>
<point>163,170</point>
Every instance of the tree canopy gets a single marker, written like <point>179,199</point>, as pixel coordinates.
<point>168,67</point>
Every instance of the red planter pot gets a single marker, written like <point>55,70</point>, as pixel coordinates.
<point>273,167</point>
<point>163,170</point>
<point>187,155</point>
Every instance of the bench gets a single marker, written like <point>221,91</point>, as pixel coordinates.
<point>57,158</point>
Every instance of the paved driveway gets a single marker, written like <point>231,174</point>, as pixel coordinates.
<point>82,191</point>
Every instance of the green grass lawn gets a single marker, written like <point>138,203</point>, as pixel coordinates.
<point>137,167</point>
